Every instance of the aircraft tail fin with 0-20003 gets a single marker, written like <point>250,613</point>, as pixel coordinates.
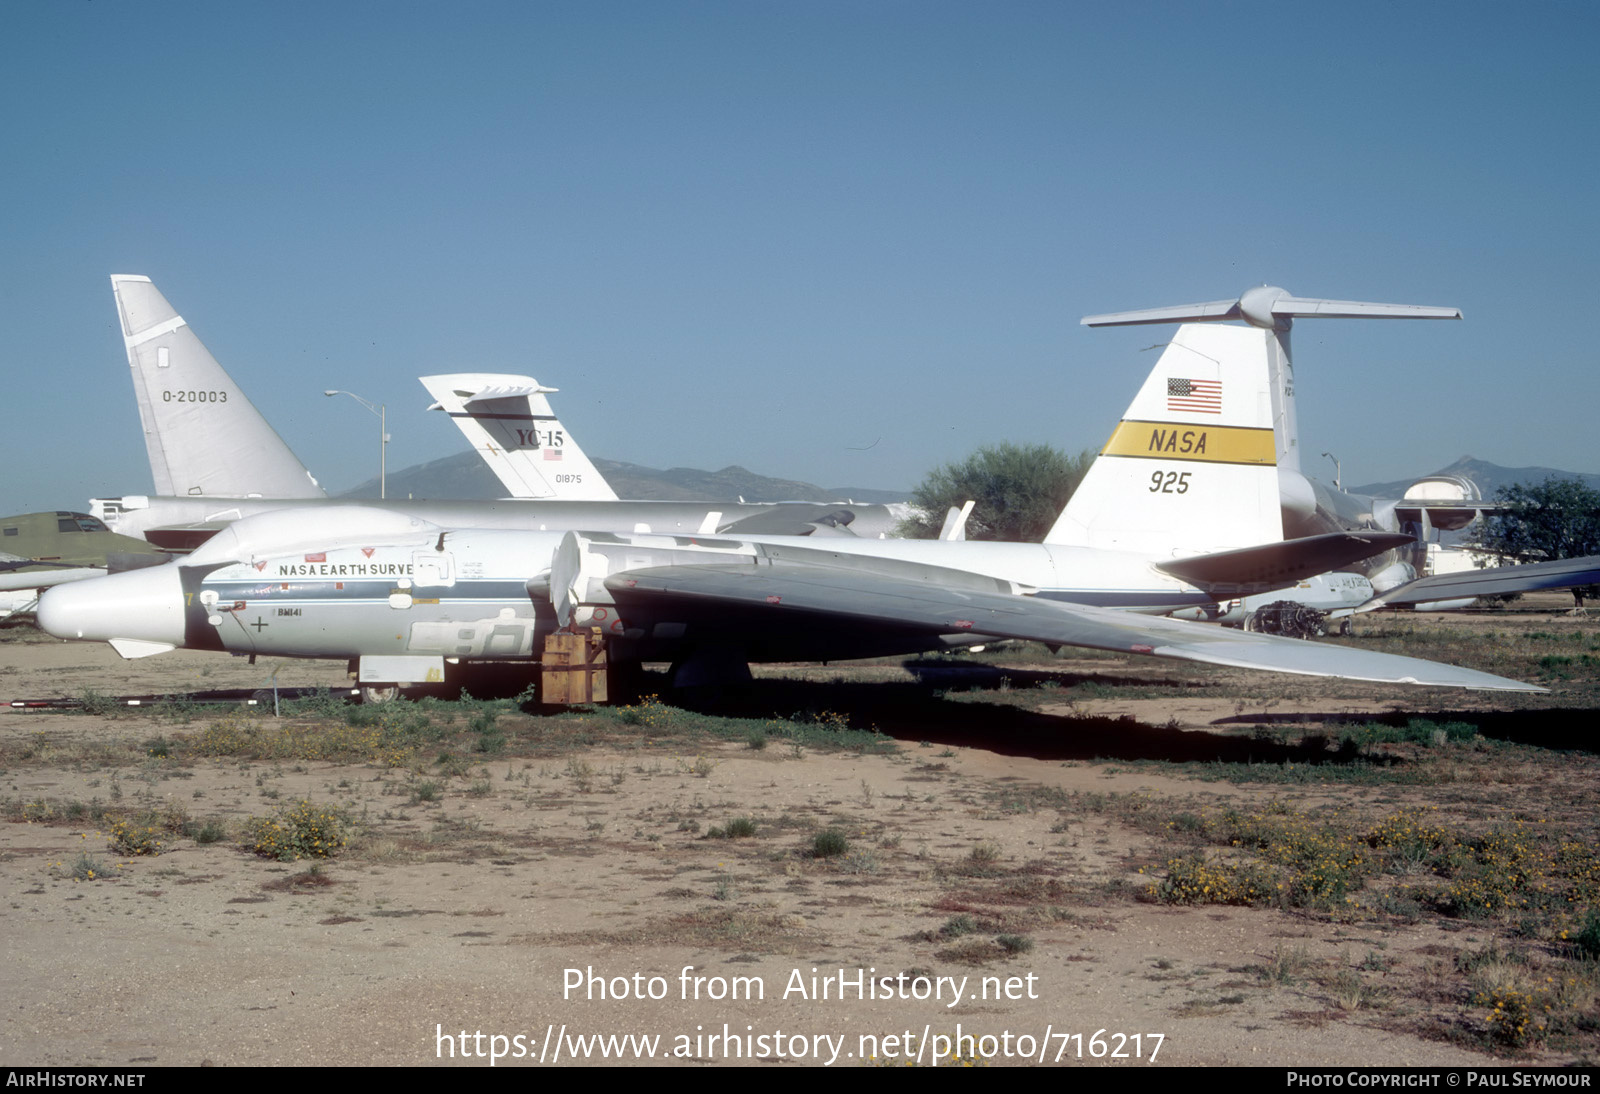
<point>204,438</point>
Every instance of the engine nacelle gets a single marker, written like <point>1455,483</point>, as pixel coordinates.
<point>581,563</point>
<point>1392,577</point>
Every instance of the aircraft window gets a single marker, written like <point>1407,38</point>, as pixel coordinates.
<point>11,531</point>
<point>89,524</point>
<point>66,526</point>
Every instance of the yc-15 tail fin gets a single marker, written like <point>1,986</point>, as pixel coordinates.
<point>508,420</point>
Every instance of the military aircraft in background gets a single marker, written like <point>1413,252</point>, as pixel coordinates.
<point>216,460</point>
<point>1181,509</point>
<point>40,550</point>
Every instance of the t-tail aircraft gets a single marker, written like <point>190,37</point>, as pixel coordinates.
<point>1311,507</point>
<point>508,421</point>
<point>1181,510</point>
<point>215,460</point>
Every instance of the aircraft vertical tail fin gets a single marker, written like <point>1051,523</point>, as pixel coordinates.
<point>1273,309</point>
<point>203,436</point>
<point>508,420</point>
<point>1192,466</point>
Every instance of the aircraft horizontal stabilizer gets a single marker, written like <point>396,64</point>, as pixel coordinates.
<point>1493,581</point>
<point>737,597</point>
<point>1251,570</point>
<point>1269,307</point>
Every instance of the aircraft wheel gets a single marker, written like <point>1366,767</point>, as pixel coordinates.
<point>376,693</point>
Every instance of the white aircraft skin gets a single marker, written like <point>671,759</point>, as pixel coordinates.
<point>203,436</point>
<point>401,596</point>
<point>215,460</point>
<point>1311,507</point>
<point>508,421</point>
<point>20,592</point>
<point>1338,595</point>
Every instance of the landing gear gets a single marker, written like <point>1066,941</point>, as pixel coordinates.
<point>379,693</point>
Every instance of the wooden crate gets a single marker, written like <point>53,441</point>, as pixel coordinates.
<point>573,669</point>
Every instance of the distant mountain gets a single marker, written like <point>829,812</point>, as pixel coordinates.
<point>466,476</point>
<point>1489,477</point>
<point>463,476</point>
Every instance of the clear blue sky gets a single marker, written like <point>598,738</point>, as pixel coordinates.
<point>842,242</point>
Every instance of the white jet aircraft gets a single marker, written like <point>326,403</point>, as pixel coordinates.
<point>1181,509</point>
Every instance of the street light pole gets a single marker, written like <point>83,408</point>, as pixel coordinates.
<point>382,411</point>
<point>1338,472</point>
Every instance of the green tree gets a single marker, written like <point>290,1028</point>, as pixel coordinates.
<point>1559,518</point>
<point>1020,490</point>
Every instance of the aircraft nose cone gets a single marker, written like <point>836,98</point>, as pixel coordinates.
<point>139,610</point>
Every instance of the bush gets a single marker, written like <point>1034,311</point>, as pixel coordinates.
<point>830,843</point>
<point>1587,938</point>
<point>132,838</point>
<point>300,830</point>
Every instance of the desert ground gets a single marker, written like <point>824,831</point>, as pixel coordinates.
<point>1079,859</point>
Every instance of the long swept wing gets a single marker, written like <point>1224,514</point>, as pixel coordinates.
<point>1492,581</point>
<point>798,595</point>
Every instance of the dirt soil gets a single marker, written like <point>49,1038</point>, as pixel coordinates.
<point>520,897</point>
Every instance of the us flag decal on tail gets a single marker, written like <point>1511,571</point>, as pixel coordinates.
<point>1194,396</point>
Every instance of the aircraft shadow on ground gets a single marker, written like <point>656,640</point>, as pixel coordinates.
<point>1560,730</point>
<point>922,711</point>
